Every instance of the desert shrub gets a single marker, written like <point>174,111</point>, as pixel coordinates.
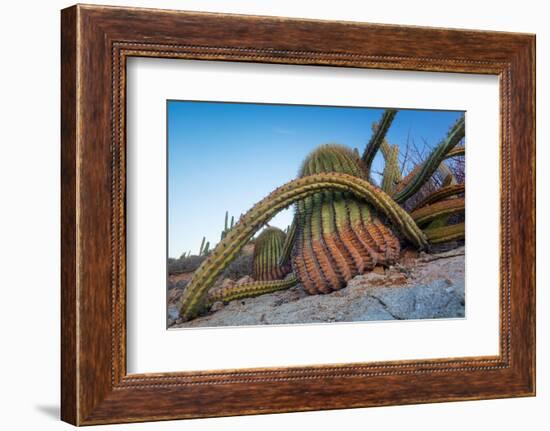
<point>240,267</point>
<point>184,264</point>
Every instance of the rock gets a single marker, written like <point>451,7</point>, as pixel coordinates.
<point>397,279</point>
<point>173,313</point>
<point>174,295</point>
<point>430,286</point>
<point>379,270</point>
<point>217,306</point>
<point>409,254</point>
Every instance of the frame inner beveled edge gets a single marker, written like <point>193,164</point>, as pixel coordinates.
<point>120,380</point>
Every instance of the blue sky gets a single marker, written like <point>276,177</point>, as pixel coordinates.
<point>228,156</point>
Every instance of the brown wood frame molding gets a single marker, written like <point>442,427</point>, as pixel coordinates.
<point>95,43</point>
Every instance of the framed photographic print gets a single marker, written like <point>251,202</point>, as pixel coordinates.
<point>265,215</point>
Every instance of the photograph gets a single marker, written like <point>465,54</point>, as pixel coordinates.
<point>281,214</point>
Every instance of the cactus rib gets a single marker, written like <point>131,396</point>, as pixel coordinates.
<point>377,138</point>
<point>279,199</point>
<point>430,165</point>
<point>248,290</point>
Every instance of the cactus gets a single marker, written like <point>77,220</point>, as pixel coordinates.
<point>343,224</point>
<point>442,208</point>
<point>193,302</point>
<point>377,138</point>
<point>227,227</point>
<point>228,294</point>
<point>392,173</point>
<point>339,235</point>
<point>448,180</point>
<point>201,249</point>
<point>414,182</point>
<point>445,233</point>
<point>267,253</point>
<point>289,243</point>
<point>455,152</point>
<point>385,149</point>
<point>442,193</point>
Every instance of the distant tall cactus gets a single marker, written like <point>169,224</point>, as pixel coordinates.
<point>201,249</point>
<point>205,247</point>
<point>343,224</point>
<point>227,227</point>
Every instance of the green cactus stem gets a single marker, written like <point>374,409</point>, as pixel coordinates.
<point>267,253</point>
<point>446,233</point>
<point>411,184</point>
<point>226,226</point>
<point>385,149</point>
<point>392,172</point>
<point>293,191</point>
<point>377,139</point>
<point>202,246</point>
<point>248,290</point>
<point>442,193</point>
<point>431,212</point>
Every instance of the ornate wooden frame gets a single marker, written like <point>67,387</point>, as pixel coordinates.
<point>95,42</point>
